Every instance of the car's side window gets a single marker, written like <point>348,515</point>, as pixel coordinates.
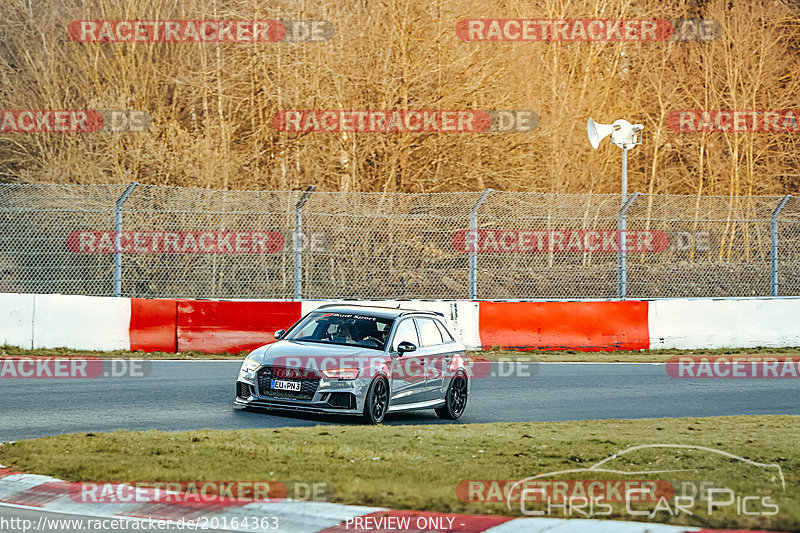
<point>445,334</point>
<point>429,333</point>
<point>406,332</point>
<point>309,330</point>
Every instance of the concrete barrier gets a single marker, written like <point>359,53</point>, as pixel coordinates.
<point>728,323</point>
<point>170,325</point>
<point>224,326</point>
<point>154,325</point>
<point>81,322</point>
<point>16,320</point>
<point>585,326</point>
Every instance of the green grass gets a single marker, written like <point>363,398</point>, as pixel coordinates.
<point>641,356</point>
<point>419,467</point>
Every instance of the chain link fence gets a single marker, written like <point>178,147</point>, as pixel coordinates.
<point>157,242</point>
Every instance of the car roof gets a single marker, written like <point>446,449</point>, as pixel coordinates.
<point>374,310</point>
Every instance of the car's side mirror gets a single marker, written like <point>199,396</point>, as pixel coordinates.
<point>278,334</point>
<point>406,346</point>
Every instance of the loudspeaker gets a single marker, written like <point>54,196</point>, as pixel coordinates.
<point>597,132</point>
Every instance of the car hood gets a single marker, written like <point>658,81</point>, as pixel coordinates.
<point>298,350</point>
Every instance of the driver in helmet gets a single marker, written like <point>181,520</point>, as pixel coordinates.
<point>366,330</point>
<point>344,332</point>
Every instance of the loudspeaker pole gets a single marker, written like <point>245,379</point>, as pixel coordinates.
<point>626,136</point>
<point>624,175</point>
<point>622,259</point>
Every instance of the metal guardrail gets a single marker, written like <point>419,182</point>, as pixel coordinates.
<point>200,243</point>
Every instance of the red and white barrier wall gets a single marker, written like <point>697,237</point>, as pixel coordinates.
<point>211,326</point>
<point>737,323</point>
<point>56,320</point>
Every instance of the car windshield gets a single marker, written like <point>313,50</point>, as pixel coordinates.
<point>349,329</point>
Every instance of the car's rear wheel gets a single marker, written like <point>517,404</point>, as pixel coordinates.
<point>456,398</point>
<point>377,401</point>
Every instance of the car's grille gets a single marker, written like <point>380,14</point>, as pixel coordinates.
<point>243,390</point>
<point>309,383</point>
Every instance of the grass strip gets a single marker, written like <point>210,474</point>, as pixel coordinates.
<point>419,467</point>
<point>494,354</point>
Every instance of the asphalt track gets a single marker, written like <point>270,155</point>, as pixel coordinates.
<point>190,395</point>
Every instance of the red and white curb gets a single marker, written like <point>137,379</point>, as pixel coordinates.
<point>47,494</point>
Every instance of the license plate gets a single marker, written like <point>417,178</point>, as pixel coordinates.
<point>279,384</point>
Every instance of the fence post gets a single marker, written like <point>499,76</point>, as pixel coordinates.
<point>622,262</point>
<point>473,235</point>
<point>298,242</point>
<point>118,238</point>
<point>773,249</point>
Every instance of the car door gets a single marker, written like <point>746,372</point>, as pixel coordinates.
<point>436,355</point>
<point>451,353</point>
<point>407,372</point>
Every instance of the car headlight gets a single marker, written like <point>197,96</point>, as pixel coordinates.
<point>341,373</point>
<point>248,371</point>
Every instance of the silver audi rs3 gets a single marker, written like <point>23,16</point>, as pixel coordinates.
<point>359,360</point>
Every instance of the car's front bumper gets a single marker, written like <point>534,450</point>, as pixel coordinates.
<point>343,397</point>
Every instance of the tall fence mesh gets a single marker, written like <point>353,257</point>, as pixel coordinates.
<point>198,243</point>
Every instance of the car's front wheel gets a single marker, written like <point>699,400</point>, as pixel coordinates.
<point>456,399</point>
<point>377,401</point>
